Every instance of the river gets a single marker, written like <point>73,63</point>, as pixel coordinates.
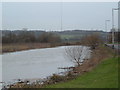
<point>36,63</point>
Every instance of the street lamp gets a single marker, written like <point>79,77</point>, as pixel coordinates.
<point>113,24</point>
<point>106,28</point>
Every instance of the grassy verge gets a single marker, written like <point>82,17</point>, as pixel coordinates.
<point>105,75</point>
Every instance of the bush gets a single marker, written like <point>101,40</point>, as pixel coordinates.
<point>93,41</point>
<point>57,78</point>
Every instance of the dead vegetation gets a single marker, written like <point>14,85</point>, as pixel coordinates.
<point>13,47</point>
<point>22,46</point>
<point>74,54</point>
<point>99,54</point>
<point>92,40</point>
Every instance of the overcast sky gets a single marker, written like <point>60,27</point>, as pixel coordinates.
<point>47,15</point>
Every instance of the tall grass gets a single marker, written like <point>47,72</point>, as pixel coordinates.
<point>23,46</point>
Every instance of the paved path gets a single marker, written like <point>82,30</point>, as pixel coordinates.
<point>116,46</point>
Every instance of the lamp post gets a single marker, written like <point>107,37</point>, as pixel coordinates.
<point>106,29</point>
<point>113,29</point>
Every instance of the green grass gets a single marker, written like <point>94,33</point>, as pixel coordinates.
<point>105,75</point>
<point>67,36</point>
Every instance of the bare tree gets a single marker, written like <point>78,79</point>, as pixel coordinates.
<point>75,54</point>
<point>92,40</point>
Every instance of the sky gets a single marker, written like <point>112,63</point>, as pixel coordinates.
<point>49,15</point>
<point>119,17</point>
<point>0,16</point>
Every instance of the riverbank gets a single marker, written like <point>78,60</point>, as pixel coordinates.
<point>13,47</point>
<point>105,75</point>
<point>100,54</point>
<point>101,71</point>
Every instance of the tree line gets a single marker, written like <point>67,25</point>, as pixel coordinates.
<point>30,37</point>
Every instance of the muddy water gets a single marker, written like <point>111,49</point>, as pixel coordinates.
<point>37,63</point>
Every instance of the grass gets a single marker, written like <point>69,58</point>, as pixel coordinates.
<point>67,36</point>
<point>105,75</point>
